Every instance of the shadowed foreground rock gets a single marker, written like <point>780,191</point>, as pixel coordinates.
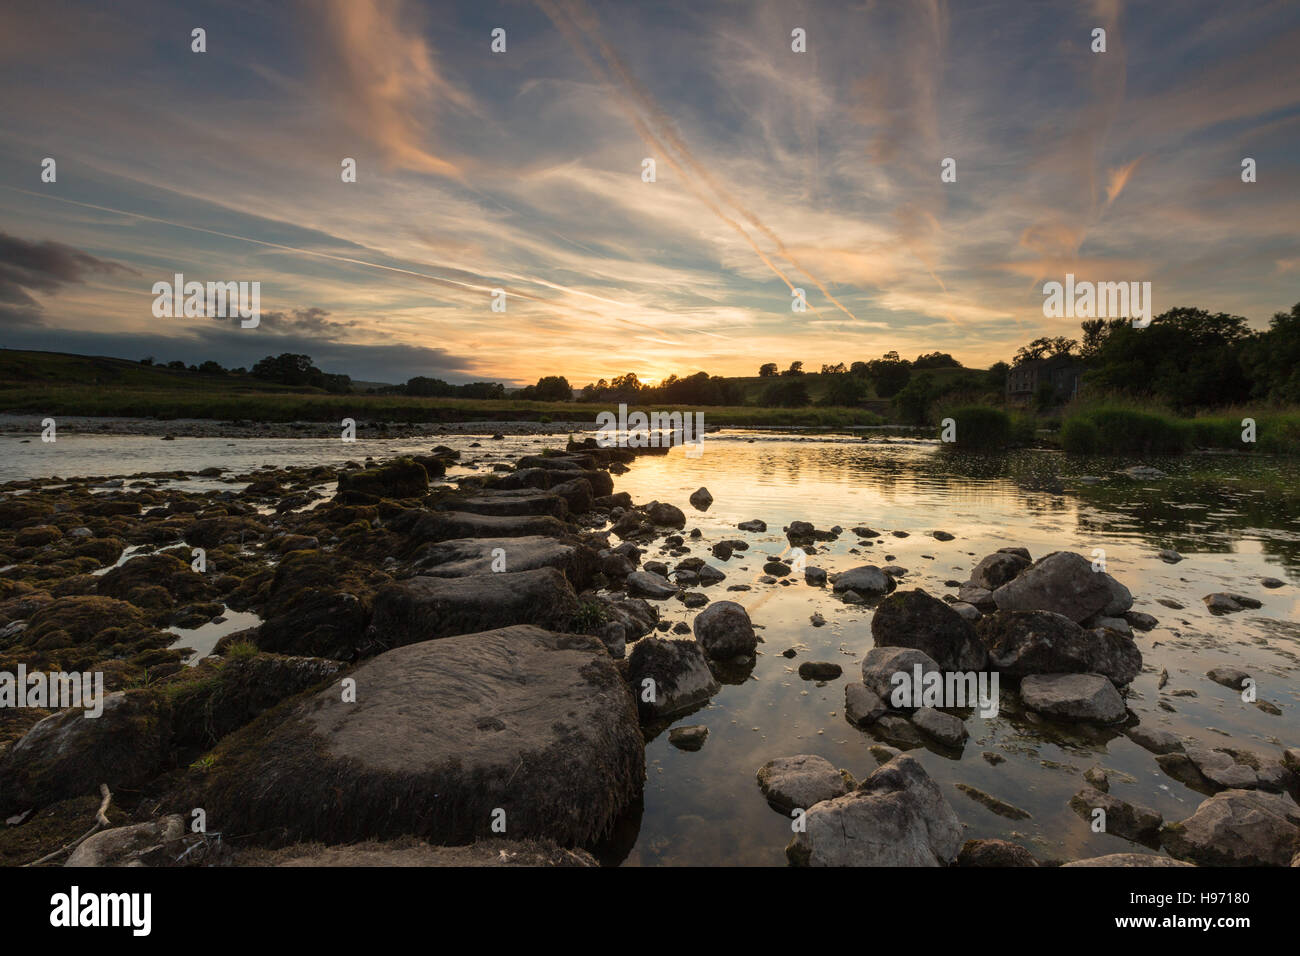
<point>423,608</point>
<point>896,817</point>
<point>1021,643</point>
<point>441,735</point>
<point>1128,860</point>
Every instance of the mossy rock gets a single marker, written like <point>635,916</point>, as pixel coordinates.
<point>401,478</point>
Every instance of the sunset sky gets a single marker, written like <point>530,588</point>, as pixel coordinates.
<point>522,170</point>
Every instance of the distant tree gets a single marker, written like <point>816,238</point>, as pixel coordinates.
<point>336,384</point>
<point>845,390</point>
<point>859,370</point>
<point>147,360</point>
<point>553,388</point>
<point>177,364</point>
<point>1045,347</point>
<point>796,368</point>
<point>1273,358</point>
<point>424,387</point>
<point>889,375</point>
<point>913,400</point>
<point>838,369</point>
<point>996,377</point>
<point>935,360</point>
<point>768,370</point>
<point>790,394</point>
<point>288,368</point>
<point>212,368</point>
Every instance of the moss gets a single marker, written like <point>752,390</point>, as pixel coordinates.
<point>52,827</point>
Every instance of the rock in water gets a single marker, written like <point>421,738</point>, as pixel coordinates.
<point>801,781</point>
<point>442,734</point>
<point>867,581</point>
<point>680,676</point>
<point>1063,582</point>
<point>915,619</point>
<point>724,631</point>
<point>1238,828</point>
<point>1021,643</point>
<point>423,608</point>
<point>701,499</point>
<point>896,817</point>
<point>1088,697</point>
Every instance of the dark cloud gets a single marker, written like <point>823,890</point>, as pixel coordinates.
<point>310,321</point>
<point>27,267</point>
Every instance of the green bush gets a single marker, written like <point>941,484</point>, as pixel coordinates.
<point>1115,430</point>
<point>981,428</point>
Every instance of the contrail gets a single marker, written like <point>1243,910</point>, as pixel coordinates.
<point>665,130</point>
<point>439,280</point>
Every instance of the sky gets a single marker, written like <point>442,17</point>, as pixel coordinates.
<point>522,170</point>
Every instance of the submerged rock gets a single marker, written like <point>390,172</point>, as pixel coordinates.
<point>994,853</point>
<point>866,581</point>
<point>1122,819</point>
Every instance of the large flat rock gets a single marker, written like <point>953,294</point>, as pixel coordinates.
<point>422,608</point>
<point>442,734</point>
<point>448,525</point>
<point>463,557</point>
<point>514,504</point>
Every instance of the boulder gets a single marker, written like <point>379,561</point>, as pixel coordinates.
<point>681,677</point>
<point>1238,828</point>
<point>423,608</point>
<point>1021,643</point>
<point>915,619</point>
<point>944,729</point>
<point>997,569</point>
<point>867,581</point>
<point>666,515</point>
<point>69,754</point>
<point>443,736</point>
<point>402,478</point>
<point>724,631</point>
<point>1063,582</point>
<point>881,664</point>
<point>650,585</point>
<point>801,781</point>
<point>896,817</point>
<point>1089,697</point>
<point>124,846</point>
<point>862,706</point>
<point>701,499</point>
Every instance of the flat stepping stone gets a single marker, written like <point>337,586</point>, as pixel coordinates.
<point>443,735</point>
<point>801,781</point>
<point>1089,697</point>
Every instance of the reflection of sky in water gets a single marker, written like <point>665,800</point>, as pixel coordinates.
<point>705,807</point>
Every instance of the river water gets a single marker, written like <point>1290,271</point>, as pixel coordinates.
<point>1234,520</point>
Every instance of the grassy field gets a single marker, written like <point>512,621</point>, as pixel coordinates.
<point>49,383</point>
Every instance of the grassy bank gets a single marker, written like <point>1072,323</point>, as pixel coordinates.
<point>1117,428</point>
<point>287,405</point>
